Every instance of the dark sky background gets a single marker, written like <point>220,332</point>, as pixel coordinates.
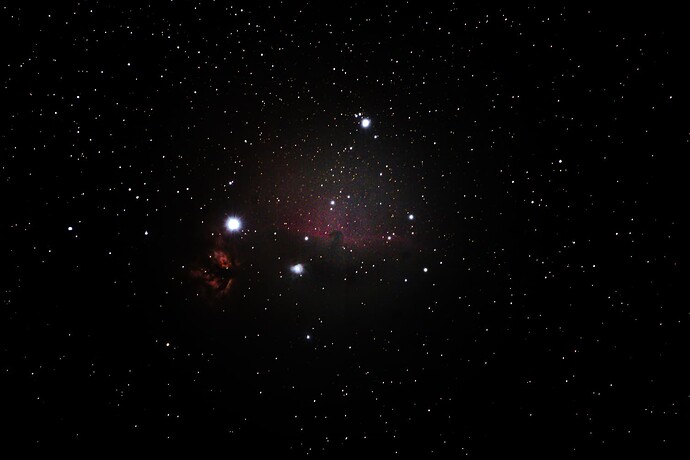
<point>491,266</point>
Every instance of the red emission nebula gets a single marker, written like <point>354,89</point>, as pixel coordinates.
<point>343,206</point>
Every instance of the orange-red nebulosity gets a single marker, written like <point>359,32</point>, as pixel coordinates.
<point>220,269</point>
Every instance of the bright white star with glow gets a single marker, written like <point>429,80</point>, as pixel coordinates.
<point>297,269</point>
<point>366,122</point>
<point>233,224</point>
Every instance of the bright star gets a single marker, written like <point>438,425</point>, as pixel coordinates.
<point>297,269</point>
<point>233,224</point>
<point>366,122</point>
<point>411,216</point>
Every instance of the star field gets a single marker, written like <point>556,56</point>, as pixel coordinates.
<point>332,229</point>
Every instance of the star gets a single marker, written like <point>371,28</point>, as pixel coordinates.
<point>366,122</point>
<point>233,224</point>
<point>297,269</point>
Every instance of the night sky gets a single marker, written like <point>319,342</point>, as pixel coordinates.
<point>339,228</point>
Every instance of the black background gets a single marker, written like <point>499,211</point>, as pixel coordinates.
<point>539,148</point>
